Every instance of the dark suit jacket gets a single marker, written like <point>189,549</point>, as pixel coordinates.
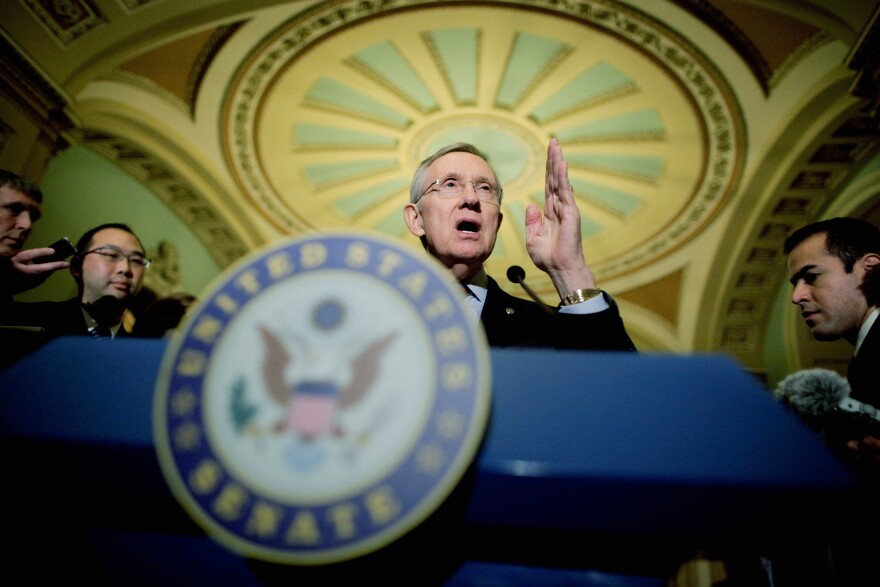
<point>56,318</point>
<point>862,372</point>
<point>20,319</point>
<point>514,322</point>
<point>6,277</point>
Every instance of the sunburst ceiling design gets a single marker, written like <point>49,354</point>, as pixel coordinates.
<point>327,138</point>
<point>320,110</point>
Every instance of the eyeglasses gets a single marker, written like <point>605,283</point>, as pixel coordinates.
<point>114,255</point>
<point>452,187</point>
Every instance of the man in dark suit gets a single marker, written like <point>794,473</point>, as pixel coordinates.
<point>455,209</point>
<point>108,268</point>
<point>833,267</point>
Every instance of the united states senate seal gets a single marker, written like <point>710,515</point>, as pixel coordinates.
<point>322,399</point>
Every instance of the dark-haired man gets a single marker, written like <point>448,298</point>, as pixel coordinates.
<point>833,268</point>
<point>108,269</point>
<point>455,209</point>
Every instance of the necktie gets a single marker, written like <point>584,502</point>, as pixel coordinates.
<point>100,332</point>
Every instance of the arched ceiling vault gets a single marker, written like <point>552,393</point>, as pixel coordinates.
<point>697,132</point>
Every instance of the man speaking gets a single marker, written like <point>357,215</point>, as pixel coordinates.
<point>455,209</point>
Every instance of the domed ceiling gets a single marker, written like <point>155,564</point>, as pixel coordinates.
<point>699,133</point>
<point>327,131</point>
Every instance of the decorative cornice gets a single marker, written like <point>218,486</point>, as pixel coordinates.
<point>731,33</point>
<point>33,95</point>
<point>65,25</point>
<point>185,200</point>
<point>865,60</point>
<point>710,106</point>
<point>805,196</point>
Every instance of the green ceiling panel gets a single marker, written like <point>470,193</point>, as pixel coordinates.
<point>360,202</point>
<point>637,166</point>
<point>504,151</point>
<point>337,96</point>
<point>393,224</point>
<point>590,227</point>
<point>385,62</point>
<point>320,135</point>
<point>601,82</point>
<point>457,53</point>
<point>330,173</point>
<point>532,56</point>
<point>641,124</point>
<point>614,201</point>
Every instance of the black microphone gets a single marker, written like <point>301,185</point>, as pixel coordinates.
<point>517,274</point>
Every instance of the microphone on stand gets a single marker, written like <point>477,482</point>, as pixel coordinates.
<point>517,274</point>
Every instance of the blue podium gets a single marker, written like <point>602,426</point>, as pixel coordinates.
<point>596,469</point>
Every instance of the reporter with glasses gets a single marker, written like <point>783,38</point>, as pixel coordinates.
<point>108,268</point>
<point>455,210</point>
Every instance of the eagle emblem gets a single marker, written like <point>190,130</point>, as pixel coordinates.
<point>298,423</point>
<point>324,385</point>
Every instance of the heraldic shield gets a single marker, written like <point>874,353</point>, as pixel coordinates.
<point>322,399</point>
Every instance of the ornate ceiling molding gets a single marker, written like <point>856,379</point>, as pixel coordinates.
<point>327,120</point>
<point>67,21</point>
<point>24,87</point>
<point>187,202</point>
<point>865,60</point>
<point>814,180</point>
